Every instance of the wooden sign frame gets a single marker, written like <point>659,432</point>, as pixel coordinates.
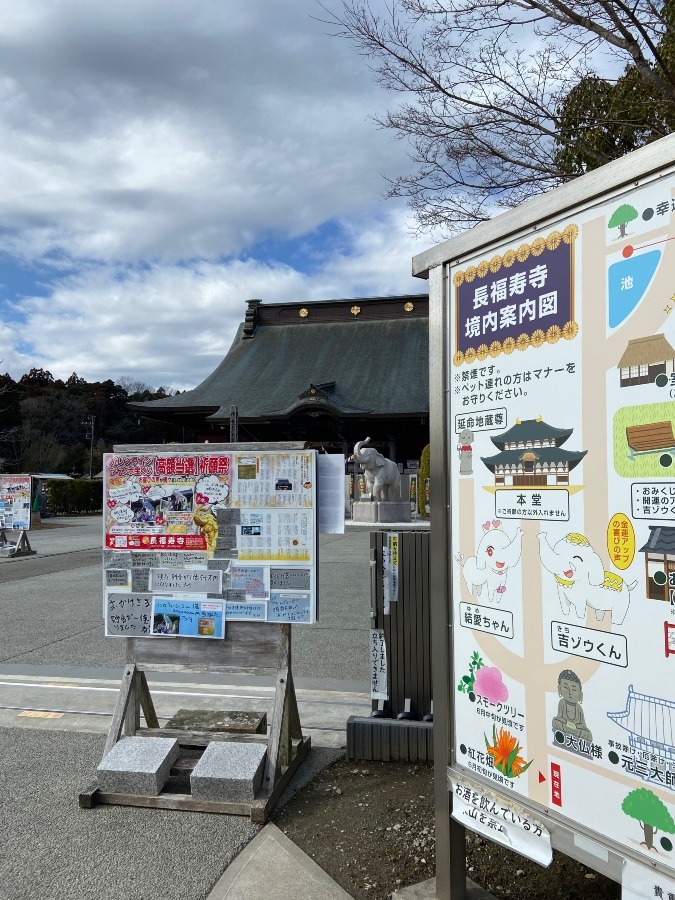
<point>267,647</point>
<point>249,648</point>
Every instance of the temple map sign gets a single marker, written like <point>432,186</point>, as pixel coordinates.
<point>560,436</point>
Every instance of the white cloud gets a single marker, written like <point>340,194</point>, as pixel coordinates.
<point>172,324</point>
<point>150,151</point>
<point>131,130</point>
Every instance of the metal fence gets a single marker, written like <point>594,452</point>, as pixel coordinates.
<point>400,728</point>
<point>407,626</point>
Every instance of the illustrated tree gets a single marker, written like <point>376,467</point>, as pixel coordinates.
<point>501,99</point>
<point>651,813</point>
<point>621,216</point>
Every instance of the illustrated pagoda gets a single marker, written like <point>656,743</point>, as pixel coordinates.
<point>531,455</point>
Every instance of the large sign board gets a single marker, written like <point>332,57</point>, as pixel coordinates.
<point>193,539</point>
<point>561,434</point>
<point>15,501</point>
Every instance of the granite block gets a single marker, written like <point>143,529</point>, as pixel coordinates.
<point>364,511</point>
<point>229,772</point>
<point>138,765</point>
<point>394,511</point>
<point>381,511</point>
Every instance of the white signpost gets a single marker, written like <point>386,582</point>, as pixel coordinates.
<point>554,328</point>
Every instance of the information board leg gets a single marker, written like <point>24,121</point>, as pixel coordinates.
<point>279,744</point>
<point>121,709</point>
<point>147,705</point>
<point>450,835</point>
<point>293,713</point>
<point>132,719</point>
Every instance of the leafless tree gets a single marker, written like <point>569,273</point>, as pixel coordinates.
<point>483,86</point>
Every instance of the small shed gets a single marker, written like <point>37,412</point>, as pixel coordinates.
<point>660,563</point>
<point>644,358</point>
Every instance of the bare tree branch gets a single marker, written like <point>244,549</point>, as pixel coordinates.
<point>490,113</point>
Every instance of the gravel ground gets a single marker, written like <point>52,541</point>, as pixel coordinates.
<point>53,850</point>
<point>371,827</point>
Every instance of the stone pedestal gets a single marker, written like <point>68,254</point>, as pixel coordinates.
<point>229,772</point>
<point>381,511</point>
<point>138,765</point>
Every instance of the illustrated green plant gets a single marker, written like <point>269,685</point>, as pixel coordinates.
<point>650,812</point>
<point>468,681</point>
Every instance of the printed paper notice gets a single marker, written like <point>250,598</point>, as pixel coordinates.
<point>378,665</point>
<point>172,617</point>
<point>509,825</point>
<point>331,475</point>
<point>643,883</point>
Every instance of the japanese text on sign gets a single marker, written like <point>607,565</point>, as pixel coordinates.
<point>588,643</point>
<point>378,665</point>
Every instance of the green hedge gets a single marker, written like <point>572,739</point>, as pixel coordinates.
<point>74,497</point>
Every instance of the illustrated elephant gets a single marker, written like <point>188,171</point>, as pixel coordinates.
<point>383,479</point>
<point>582,579</point>
<point>496,553</point>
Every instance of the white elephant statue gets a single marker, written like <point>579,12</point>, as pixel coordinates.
<point>582,580</point>
<point>383,479</point>
<point>495,555</point>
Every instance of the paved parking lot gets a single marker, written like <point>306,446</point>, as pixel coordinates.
<point>54,656</point>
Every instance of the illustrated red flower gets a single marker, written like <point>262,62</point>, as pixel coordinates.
<point>505,751</point>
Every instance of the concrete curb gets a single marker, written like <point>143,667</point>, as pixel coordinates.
<point>271,866</point>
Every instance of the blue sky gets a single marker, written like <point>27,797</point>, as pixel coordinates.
<point>162,162</point>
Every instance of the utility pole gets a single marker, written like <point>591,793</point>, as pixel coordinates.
<point>90,426</point>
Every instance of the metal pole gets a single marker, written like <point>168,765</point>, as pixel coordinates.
<point>91,446</point>
<point>450,838</point>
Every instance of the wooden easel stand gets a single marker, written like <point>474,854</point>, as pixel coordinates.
<point>266,647</point>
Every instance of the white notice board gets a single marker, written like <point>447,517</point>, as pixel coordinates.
<point>199,538</point>
<point>15,507</point>
<point>562,518</point>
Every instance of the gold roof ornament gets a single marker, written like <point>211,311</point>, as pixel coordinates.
<point>304,312</point>
<point>409,306</point>
<point>355,310</point>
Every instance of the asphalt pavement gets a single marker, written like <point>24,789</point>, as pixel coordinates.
<point>59,677</point>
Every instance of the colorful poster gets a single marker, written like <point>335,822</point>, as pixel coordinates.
<point>184,617</point>
<point>217,526</point>
<point>15,501</point>
<point>562,380</point>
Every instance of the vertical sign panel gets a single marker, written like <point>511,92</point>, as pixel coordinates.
<point>562,379</point>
